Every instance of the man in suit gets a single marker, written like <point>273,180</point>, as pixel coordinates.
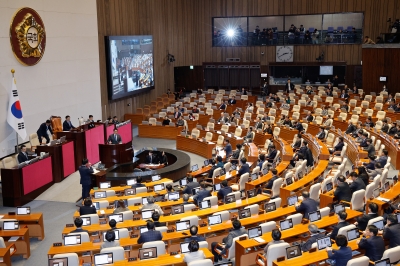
<point>321,134</point>
<point>370,147</point>
<point>340,256</point>
<point>309,117</point>
<point>150,158</point>
<point>151,205</point>
<point>150,235</point>
<point>357,183</point>
<point>213,167</point>
<point>244,167</point>
<point>78,224</point>
<point>287,122</point>
<point>85,170</point>
<point>227,149</point>
<point>177,114</point>
<point>90,121</point>
<point>363,142</point>
<point>258,124</point>
<point>22,155</point>
<point>391,231</point>
<point>289,86</point>
<point>250,135</point>
<point>351,128</point>
<point>297,125</point>
<point>193,235</point>
<point>314,235</point>
<point>296,145</point>
<point>270,182</point>
<point>115,120</point>
<point>307,205</point>
<point>67,125</point>
<point>232,100</point>
<point>374,245</point>
<point>222,106</point>
<point>201,194</point>
<point>385,126</point>
<point>243,92</point>
<point>228,240</point>
<point>338,147</point>
<point>371,164</point>
<point>344,95</point>
<point>156,217</point>
<point>223,119</point>
<point>272,154</point>
<point>114,138</point>
<point>382,159</point>
<point>195,110</point>
<point>42,131</point>
<point>225,190</point>
<point>362,221</point>
<point>342,216</point>
<point>190,185</point>
<point>268,103</point>
<point>138,183</point>
<point>236,153</point>
<point>87,207</point>
<point>342,191</point>
<point>369,123</point>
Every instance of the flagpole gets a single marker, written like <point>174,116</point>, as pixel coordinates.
<point>16,133</point>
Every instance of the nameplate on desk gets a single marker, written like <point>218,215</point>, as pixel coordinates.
<point>69,225</point>
<point>195,209</point>
<point>312,250</point>
<point>110,207</point>
<point>103,222</point>
<point>280,259</point>
<point>170,231</point>
<point>11,213</point>
<point>57,244</point>
<point>87,264</point>
<point>332,213</point>
<point>136,218</point>
<point>132,259</point>
<point>203,225</point>
<point>242,238</point>
<point>134,236</point>
<point>173,253</point>
<point>137,204</point>
<point>96,240</point>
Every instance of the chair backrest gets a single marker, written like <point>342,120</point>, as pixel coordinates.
<point>344,229</point>
<point>9,162</point>
<point>253,209</point>
<point>127,215</point>
<point>118,253</point>
<point>277,201</point>
<point>188,207</point>
<point>160,245</point>
<point>314,191</point>
<point>225,216</point>
<point>84,236</point>
<point>324,211</point>
<point>94,218</point>
<point>267,227</point>
<point>237,195</point>
<point>255,170</point>
<point>276,251</point>
<point>296,218</point>
<point>361,261</point>
<point>213,200</point>
<point>276,131</point>
<point>220,140</point>
<point>369,190</point>
<point>123,233</point>
<point>34,140</point>
<point>374,220</point>
<point>205,262</point>
<point>392,253</point>
<point>194,220</point>
<point>2,243</point>
<point>133,201</point>
<point>324,182</point>
<point>196,132</point>
<point>161,229</point>
<point>231,250</point>
<point>357,200</point>
<point>238,132</point>
<point>72,258</point>
<point>242,181</point>
<point>141,190</point>
<point>276,187</point>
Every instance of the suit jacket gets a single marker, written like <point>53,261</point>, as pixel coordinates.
<point>196,238</point>
<point>138,185</point>
<point>228,240</point>
<point>321,135</point>
<point>343,192</point>
<point>299,127</point>
<point>392,233</point>
<point>271,156</point>
<point>231,101</point>
<point>189,187</point>
<point>374,247</point>
<point>297,144</point>
<point>288,123</point>
<point>42,131</point>
<point>341,255</point>
<point>313,238</point>
<point>223,120</point>
<point>310,118</point>
<point>86,178</point>
<point>211,171</point>
<point>271,182</point>
<point>80,230</point>
<point>371,150</point>
<point>222,107</point>
<point>385,128</point>
<point>244,169</point>
<point>307,206</point>
<point>150,159</point>
<point>350,129</point>
<point>289,87</point>
<point>112,139</point>
<point>83,210</point>
<point>357,185</point>
<point>363,220</point>
<point>151,235</point>
<point>339,146</point>
<point>22,157</point>
<point>382,160</point>
<point>336,229</point>
<point>223,192</point>
<point>67,126</point>
<point>344,96</point>
<point>228,150</point>
<point>201,194</point>
<point>258,125</point>
<point>194,256</point>
<point>177,114</point>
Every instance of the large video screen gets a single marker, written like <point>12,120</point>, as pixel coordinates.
<point>129,65</point>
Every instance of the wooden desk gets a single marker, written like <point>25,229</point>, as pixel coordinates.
<point>195,146</point>
<point>392,194</point>
<point>353,151</point>
<point>136,119</point>
<point>22,244</point>
<point>299,229</point>
<point>284,147</point>
<point>251,152</point>
<point>120,189</point>
<point>159,132</point>
<point>6,253</point>
<point>201,171</point>
<point>111,154</point>
<point>33,221</point>
<point>265,178</point>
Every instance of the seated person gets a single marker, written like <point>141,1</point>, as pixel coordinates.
<point>268,186</point>
<point>67,124</point>
<point>236,153</point>
<point>374,245</point>
<point>309,117</point>
<point>297,143</point>
<point>371,164</point>
<point>370,148</point>
<point>342,191</point>
<point>225,190</point>
<point>362,174</point>
<point>195,110</point>
<point>261,160</point>
<point>250,135</point>
<point>201,194</point>
<point>190,185</point>
<point>307,205</point>
<point>78,224</point>
<point>214,166</point>
<point>185,199</point>
<point>150,235</point>
<point>321,134</point>
<point>391,232</point>
<point>156,217</point>
<point>341,256</point>
<point>314,235</point>
<point>138,183</point>
<point>276,239</point>
<point>244,167</point>
<point>267,129</point>
<point>362,221</point>
<point>193,235</point>
<point>287,122</point>
<point>150,205</point>
<point>195,254</point>
<point>297,125</point>
<point>338,147</point>
<point>258,124</point>
<point>223,119</point>
<point>166,121</point>
<point>222,106</point>
<point>180,122</point>
<point>342,216</point>
<point>272,154</point>
<point>219,164</point>
<point>382,159</point>
<point>357,183</point>
<point>87,207</point>
<point>22,155</point>
<point>368,122</point>
<point>377,171</point>
<point>227,241</point>
<point>111,242</point>
<point>121,207</point>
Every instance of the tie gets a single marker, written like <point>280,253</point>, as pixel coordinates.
<point>115,136</point>
<point>151,159</point>
<point>26,155</point>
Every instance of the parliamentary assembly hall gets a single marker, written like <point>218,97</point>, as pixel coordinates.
<point>199,132</point>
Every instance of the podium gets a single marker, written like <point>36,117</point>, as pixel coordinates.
<point>111,154</point>
<point>63,159</point>
<point>23,185</point>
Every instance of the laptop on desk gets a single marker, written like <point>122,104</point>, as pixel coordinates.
<point>214,219</point>
<point>293,252</point>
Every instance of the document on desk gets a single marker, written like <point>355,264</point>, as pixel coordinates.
<point>13,239</point>
<point>95,171</point>
<point>259,239</point>
<point>383,199</point>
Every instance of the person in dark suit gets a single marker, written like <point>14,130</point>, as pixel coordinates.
<point>163,159</point>
<point>314,235</point>
<point>391,231</point>
<point>85,170</point>
<point>368,122</point>
<point>90,121</point>
<point>223,119</point>
<point>225,190</point>
<point>385,126</point>
<point>321,134</point>
<point>201,194</point>
<point>222,106</point>
<point>289,86</point>
<point>193,235</point>
<point>114,138</point>
<point>287,122</point>
<point>150,158</point>
<point>374,245</point>
<point>370,147</point>
<point>342,191</point>
<point>67,124</point>
<point>362,221</point>
<point>42,131</point>
<point>177,114</point>
<point>227,149</point>
<point>307,205</point>
<point>338,147</point>
<point>297,125</point>
<point>87,207</point>
<point>371,164</point>
<point>270,182</point>
<point>351,128</point>
<point>232,100</point>
<point>344,95</point>
<point>363,142</point>
<point>309,117</point>
<point>150,235</point>
<point>243,92</point>
<point>78,224</point>
<point>296,145</point>
<point>22,155</point>
<point>138,183</point>
<point>357,183</point>
<point>115,120</point>
<point>213,167</point>
<point>342,255</point>
<point>156,217</point>
<point>342,216</point>
<point>190,185</point>
<point>272,153</point>
<point>244,167</point>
